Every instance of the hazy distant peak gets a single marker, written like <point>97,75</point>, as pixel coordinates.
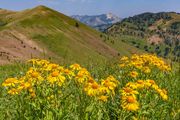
<point>97,20</point>
<point>111,16</point>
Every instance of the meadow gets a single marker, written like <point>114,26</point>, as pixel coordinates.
<point>140,87</point>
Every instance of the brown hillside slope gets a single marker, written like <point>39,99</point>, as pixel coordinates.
<point>38,31</point>
<point>45,33</point>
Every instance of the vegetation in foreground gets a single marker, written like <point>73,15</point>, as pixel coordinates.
<point>139,87</point>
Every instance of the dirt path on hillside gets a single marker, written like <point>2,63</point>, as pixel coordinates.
<point>15,46</point>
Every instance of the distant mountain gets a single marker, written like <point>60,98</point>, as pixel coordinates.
<point>99,22</point>
<point>157,32</point>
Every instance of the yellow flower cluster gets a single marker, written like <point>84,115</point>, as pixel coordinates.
<point>46,76</point>
<point>41,72</point>
<point>131,90</point>
<point>102,90</point>
<point>52,75</point>
<point>144,62</point>
<point>91,86</point>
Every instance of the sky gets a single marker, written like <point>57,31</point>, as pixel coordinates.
<point>121,8</point>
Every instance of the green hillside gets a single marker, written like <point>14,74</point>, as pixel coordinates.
<point>156,33</point>
<point>43,32</point>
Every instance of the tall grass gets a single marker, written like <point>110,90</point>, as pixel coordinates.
<point>70,101</point>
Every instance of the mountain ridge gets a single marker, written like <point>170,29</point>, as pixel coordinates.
<point>157,32</point>
<point>42,32</point>
<point>96,21</point>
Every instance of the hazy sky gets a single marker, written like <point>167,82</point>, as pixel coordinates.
<point>122,8</point>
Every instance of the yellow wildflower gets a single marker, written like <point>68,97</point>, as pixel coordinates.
<point>130,103</point>
<point>10,82</point>
<point>133,74</point>
<point>124,58</point>
<point>103,98</point>
<point>92,89</point>
<point>13,91</point>
<point>75,67</point>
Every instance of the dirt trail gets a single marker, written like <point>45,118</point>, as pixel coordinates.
<point>15,46</point>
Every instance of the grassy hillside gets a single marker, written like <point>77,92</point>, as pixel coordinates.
<point>43,32</point>
<point>158,32</point>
